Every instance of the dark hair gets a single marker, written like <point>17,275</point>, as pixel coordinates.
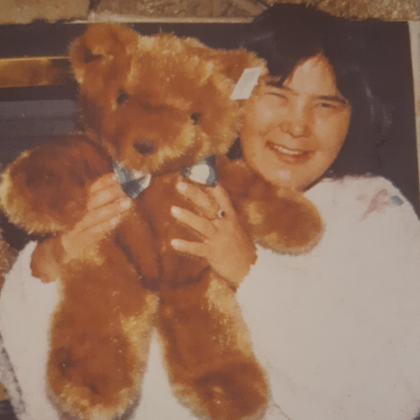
<point>287,34</point>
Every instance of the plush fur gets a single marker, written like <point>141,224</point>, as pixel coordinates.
<point>279,219</point>
<point>156,104</point>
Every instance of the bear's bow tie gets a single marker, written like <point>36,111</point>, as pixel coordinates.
<point>203,172</point>
<point>133,182</point>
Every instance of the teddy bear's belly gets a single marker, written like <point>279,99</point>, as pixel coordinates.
<point>176,270</point>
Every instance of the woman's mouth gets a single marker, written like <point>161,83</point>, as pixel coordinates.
<point>292,156</point>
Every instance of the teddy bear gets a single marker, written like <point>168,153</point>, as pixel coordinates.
<point>154,108</point>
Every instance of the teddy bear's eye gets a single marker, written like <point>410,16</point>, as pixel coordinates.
<point>195,117</point>
<point>122,97</point>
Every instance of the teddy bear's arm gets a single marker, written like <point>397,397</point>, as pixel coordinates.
<point>282,220</point>
<point>288,224</point>
<point>45,189</point>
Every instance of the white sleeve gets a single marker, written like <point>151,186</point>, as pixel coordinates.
<point>390,233</point>
<point>26,306</point>
<point>392,253</point>
<point>338,329</point>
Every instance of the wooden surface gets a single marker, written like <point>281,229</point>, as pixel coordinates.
<point>34,71</point>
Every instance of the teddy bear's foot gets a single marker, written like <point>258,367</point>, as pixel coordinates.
<point>98,379</point>
<point>100,338</point>
<point>237,392</point>
<point>89,389</point>
<point>208,352</point>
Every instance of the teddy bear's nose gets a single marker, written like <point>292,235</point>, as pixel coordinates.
<point>144,147</point>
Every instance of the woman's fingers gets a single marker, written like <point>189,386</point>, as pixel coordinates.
<point>199,224</point>
<point>94,233</point>
<point>201,199</point>
<point>221,197</point>
<point>211,202</point>
<point>225,246</point>
<point>103,191</point>
<point>103,182</point>
<point>84,236</point>
<point>105,213</point>
<point>191,248</point>
<point>106,205</point>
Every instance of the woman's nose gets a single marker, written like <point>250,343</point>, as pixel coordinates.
<point>296,122</point>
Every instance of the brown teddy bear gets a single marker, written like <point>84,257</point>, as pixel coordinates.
<point>153,108</point>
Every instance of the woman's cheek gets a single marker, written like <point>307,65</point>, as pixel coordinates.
<point>266,115</point>
<point>331,131</point>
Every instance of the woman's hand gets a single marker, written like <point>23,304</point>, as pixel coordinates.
<point>225,245</point>
<point>106,204</point>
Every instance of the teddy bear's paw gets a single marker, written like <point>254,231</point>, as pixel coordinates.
<point>100,387</point>
<point>239,392</point>
<point>288,224</point>
<point>45,189</point>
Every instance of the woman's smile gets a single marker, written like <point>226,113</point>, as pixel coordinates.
<point>288,155</point>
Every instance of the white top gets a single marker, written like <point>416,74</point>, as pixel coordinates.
<point>337,330</point>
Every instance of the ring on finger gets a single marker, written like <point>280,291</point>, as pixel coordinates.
<point>221,214</point>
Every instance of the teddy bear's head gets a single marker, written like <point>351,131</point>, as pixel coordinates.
<point>158,103</point>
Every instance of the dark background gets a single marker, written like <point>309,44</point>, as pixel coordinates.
<point>32,115</point>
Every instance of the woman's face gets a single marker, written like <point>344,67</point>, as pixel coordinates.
<point>293,133</point>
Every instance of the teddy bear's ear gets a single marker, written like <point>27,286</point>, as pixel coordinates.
<point>99,45</point>
<point>230,63</point>
<point>233,63</point>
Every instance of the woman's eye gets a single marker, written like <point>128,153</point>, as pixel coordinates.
<point>277,98</point>
<point>328,106</point>
<point>122,97</point>
<point>278,95</point>
<point>274,91</point>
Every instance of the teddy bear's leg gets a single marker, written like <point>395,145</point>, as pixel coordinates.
<point>100,336</point>
<point>208,352</point>
<point>287,223</point>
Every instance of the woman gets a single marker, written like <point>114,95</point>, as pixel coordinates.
<point>337,329</point>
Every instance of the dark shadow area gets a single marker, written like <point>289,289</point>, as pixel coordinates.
<point>6,411</point>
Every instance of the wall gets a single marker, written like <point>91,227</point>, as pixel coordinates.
<point>25,11</point>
